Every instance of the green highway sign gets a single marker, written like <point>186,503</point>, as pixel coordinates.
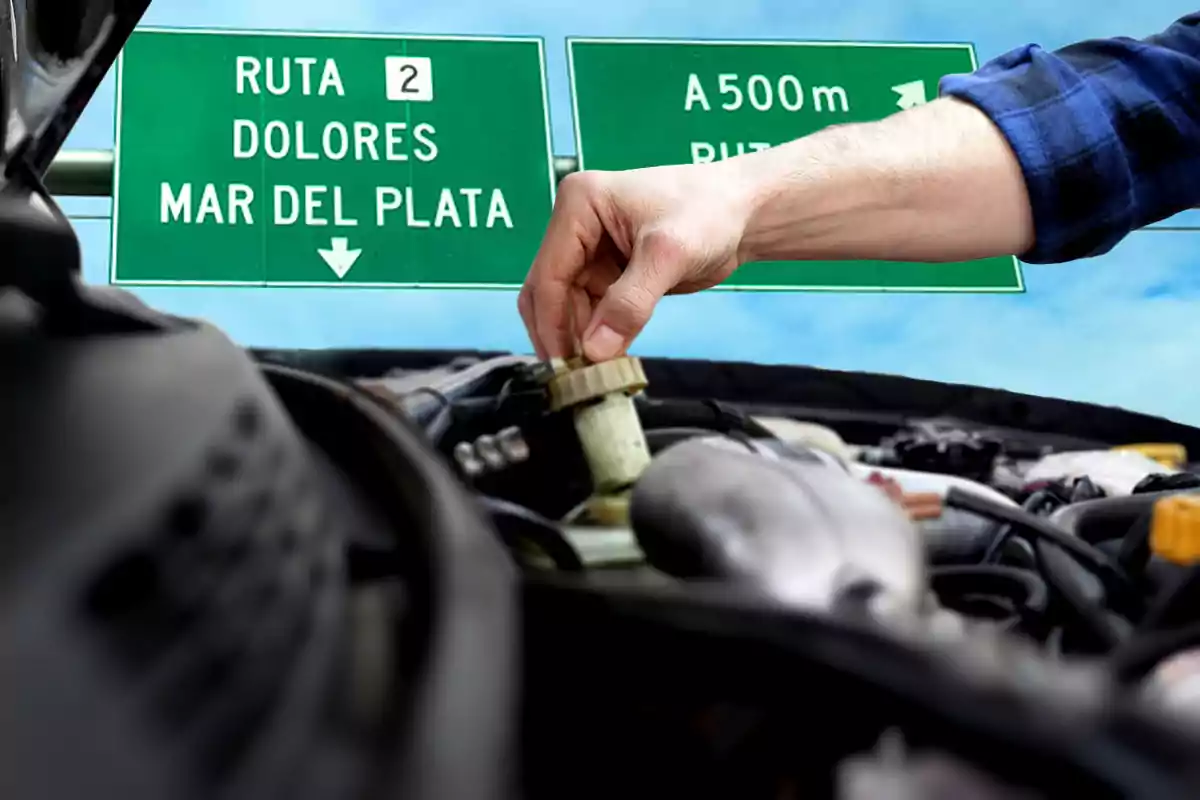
<point>641,103</point>
<point>267,159</point>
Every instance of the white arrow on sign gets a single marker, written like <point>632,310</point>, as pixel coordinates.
<point>911,94</point>
<point>339,258</point>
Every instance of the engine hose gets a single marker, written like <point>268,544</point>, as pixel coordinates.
<point>1025,590</point>
<point>1102,632</point>
<point>708,415</point>
<point>517,524</point>
<point>1088,556</point>
<point>1084,601</point>
<point>1005,531</point>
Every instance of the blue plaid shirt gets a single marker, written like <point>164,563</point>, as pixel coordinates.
<point>1107,133</point>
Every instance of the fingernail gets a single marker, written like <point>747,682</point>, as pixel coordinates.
<point>604,343</point>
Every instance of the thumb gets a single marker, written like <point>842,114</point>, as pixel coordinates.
<point>626,307</point>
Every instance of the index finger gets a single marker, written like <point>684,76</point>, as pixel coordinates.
<point>572,234</point>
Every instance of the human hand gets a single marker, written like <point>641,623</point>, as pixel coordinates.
<point>617,242</point>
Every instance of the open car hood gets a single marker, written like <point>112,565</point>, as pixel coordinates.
<point>53,55</point>
<point>863,404</point>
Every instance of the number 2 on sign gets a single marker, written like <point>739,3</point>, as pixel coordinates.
<point>408,78</point>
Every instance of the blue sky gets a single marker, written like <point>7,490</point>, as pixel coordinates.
<point>1122,329</point>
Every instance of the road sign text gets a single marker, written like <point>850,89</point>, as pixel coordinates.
<point>278,75</point>
<point>302,159</point>
<point>762,94</point>
<point>705,101</point>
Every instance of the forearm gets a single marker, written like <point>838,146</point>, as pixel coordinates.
<point>1068,152</point>
<point>937,183</point>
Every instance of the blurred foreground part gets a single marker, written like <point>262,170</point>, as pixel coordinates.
<point>891,773</point>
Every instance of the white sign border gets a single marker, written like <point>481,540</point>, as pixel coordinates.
<point>120,65</point>
<point>968,46</point>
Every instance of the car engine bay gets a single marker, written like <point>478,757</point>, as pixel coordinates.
<point>235,573</point>
<point>989,544</point>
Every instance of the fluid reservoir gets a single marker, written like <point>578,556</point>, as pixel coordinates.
<point>610,433</point>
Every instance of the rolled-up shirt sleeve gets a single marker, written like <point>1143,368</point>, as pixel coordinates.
<point>1107,133</point>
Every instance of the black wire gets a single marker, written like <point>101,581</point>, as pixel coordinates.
<point>1087,555</point>
<point>429,390</point>
<point>503,394</point>
<point>516,523</point>
<point>734,419</point>
<point>1005,532</point>
<point>442,419</point>
<point>1023,588</point>
<point>1020,592</point>
<point>1101,631</point>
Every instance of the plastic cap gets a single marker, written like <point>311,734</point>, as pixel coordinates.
<point>1175,528</point>
<point>573,386</point>
<point>1169,455</point>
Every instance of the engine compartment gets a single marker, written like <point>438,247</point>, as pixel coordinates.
<point>959,482</point>
<point>789,600</point>
<point>1032,549</point>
